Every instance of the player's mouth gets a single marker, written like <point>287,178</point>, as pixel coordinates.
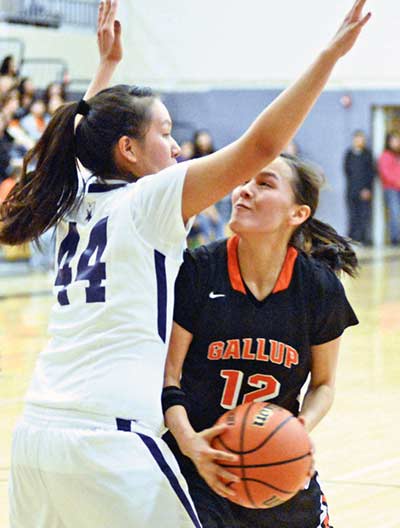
<point>241,205</point>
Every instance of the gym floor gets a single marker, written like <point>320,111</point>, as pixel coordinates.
<point>358,442</point>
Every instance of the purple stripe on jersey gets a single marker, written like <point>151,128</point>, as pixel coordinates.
<point>163,465</point>
<point>104,187</point>
<point>159,260</point>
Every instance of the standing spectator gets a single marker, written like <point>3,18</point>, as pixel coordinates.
<point>359,171</point>
<point>389,172</point>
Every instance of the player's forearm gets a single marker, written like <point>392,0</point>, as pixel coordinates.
<point>317,403</point>
<point>279,122</point>
<point>177,421</point>
<point>101,79</point>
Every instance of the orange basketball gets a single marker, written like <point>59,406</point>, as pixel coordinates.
<point>274,452</point>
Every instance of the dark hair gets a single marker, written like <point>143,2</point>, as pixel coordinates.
<point>47,96</point>
<point>47,192</point>
<point>316,238</point>
<point>198,152</point>
<point>388,138</point>
<point>5,66</point>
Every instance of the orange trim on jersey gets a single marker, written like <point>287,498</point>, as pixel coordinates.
<point>285,276</point>
<point>233,265</point>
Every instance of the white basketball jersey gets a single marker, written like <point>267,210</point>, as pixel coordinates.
<point>117,258</point>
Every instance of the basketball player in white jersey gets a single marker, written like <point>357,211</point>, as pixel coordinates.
<point>87,451</point>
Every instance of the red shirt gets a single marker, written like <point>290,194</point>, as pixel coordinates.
<point>389,170</point>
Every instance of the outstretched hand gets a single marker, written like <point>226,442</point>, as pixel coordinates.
<point>350,29</point>
<point>109,32</point>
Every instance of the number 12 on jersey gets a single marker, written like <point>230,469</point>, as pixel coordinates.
<point>267,388</point>
<point>95,273</point>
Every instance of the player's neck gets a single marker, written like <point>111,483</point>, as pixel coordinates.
<point>260,262</point>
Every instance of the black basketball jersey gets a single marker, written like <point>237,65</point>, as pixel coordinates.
<point>244,349</point>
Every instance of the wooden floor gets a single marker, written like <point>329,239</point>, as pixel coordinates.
<point>357,444</point>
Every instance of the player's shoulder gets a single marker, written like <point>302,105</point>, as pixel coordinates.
<point>207,254</point>
<point>319,274</point>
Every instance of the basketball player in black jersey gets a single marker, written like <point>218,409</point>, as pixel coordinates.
<point>255,315</point>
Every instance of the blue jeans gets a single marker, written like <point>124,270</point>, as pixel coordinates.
<point>392,200</point>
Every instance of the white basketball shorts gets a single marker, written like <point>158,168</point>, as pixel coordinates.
<point>70,470</point>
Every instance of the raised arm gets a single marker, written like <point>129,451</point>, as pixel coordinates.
<point>212,177</point>
<point>109,44</point>
<point>110,49</point>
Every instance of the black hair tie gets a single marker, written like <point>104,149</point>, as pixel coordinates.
<point>83,108</point>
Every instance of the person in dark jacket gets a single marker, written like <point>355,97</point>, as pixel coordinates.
<point>359,171</point>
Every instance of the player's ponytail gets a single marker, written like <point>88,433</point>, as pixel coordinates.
<point>48,185</point>
<point>324,243</point>
<point>316,238</point>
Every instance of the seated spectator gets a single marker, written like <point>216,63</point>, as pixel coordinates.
<point>27,92</point>
<point>8,67</point>
<point>16,134</point>
<point>54,89</point>
<point>53,104</point>
<point>35,122</point>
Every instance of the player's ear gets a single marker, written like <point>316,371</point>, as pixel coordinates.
<point>299,214</point>
<point>125,150</point>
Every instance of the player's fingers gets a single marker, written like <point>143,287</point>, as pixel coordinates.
<point>106,10</point>
<point>356,9</point>
<point>223,489</point>
<point>117,28</point>
<point>215,430</point>
<point>225,475</point>
<point>364,20</point>
<point>112,12</point>
<point>100,13</point>
<point>223,456</point>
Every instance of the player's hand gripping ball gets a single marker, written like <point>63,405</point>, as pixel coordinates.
<point>275,454</point>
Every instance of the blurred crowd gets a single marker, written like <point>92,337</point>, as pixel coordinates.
<point>25,112</point>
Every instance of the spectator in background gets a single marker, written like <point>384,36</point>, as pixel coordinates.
<point>203,143</point>
<point>208,225</point>
<point>26,90</point>
<point>8,67</point>
<point>53,104</point>
<point>15,133</point>
<point>8,74</point>
<point>359,171</point>
<point>187,151</point>
<point>35,122</point>
<point>5,149</point>
<point>54,89</point>
<point>389,172</point>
